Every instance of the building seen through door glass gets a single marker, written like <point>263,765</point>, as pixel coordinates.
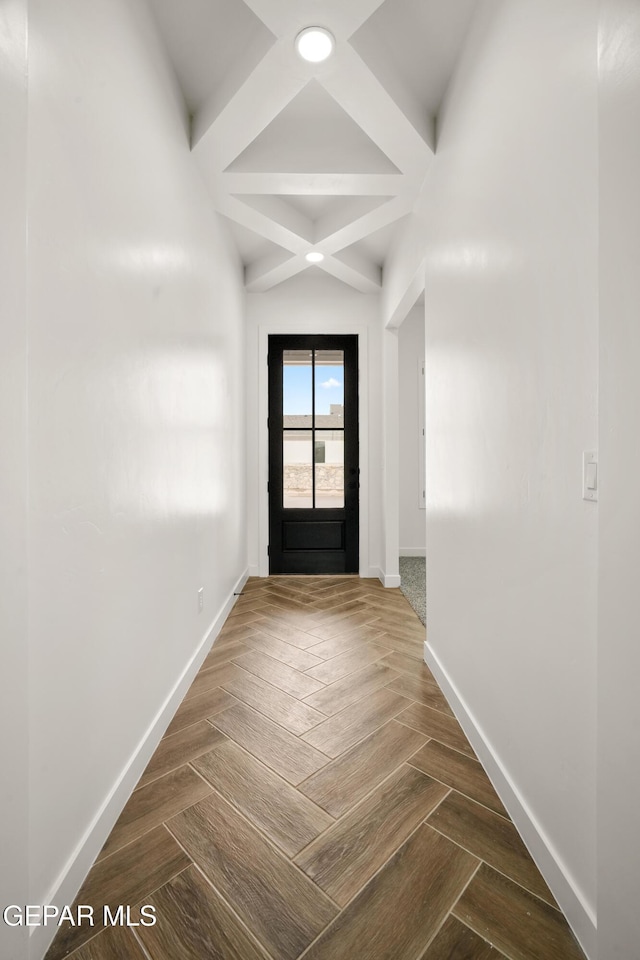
<point>313,429</point>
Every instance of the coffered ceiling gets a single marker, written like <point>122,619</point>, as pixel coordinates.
<point>299,156</point>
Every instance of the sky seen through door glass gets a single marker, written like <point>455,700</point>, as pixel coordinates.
<point>329,389</point>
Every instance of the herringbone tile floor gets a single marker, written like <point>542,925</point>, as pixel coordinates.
<point>315,796</point>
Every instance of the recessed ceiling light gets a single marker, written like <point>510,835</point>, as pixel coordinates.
<point>315,44</point>
<point>314,257</point>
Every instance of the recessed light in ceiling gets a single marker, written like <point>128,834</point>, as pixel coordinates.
<point>315,44</point>
<point>314,257</point>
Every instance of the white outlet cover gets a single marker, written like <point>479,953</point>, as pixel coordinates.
<point>590,475</point>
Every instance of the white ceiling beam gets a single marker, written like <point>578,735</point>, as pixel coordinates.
<point>351,83</point>
<point>275,14</point>
<point>316,184</point>
<point>265,93</point>
<point>349,15</point>
<point>261,224</point>
<point>342,17</point>
<point>268,271</point>
<point>262,275</point>
<point>366,225</point>
<point>367,277</point>
<point>278,209</point>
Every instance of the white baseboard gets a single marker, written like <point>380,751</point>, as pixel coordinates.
<point>389,579</point>
<point>253,572</point>
<point>413,552</point>
<point>64,889</point>
<point>579,914</point>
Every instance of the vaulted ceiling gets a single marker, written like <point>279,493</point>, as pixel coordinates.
<point>299,156</point>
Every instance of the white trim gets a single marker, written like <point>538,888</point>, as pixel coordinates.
<point>389,579</point>
<point>577,911</point>
<point>254,572</point>
<point>70,879</point>
<point>328,328</point>
<point>413,552</point>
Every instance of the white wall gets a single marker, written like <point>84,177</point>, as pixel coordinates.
<point>508,225</point>
<point>13,473</point>
<point>410,353</point>
<point>314,303</point>
<point>619,651</point>
<point>136,418</point>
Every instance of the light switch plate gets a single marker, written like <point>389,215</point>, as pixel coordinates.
<point>590,475</point>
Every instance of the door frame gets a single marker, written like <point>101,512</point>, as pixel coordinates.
<point>329,328</point>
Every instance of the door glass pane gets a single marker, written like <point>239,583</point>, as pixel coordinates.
<point>329,467</point>
<point>297,476</point>
<point>329,388</point>
<point>297,388</point>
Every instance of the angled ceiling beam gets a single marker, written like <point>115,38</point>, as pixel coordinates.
<point>357,272</point>
<point>342,17</point>
<point>316,184</point>
<point>275,14</point>
<point>366,225</point>
<point>349,15</point>
<point>282,212</point>
<point>265,93</point>
<point>360,93</point>
<point>265,273</point>
<point>366,277</point>
<point>260,223</point>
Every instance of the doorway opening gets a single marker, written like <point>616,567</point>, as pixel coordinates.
<point>313,454</point>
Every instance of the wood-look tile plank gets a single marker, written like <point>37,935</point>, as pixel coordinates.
<point>289,712</point>
<point>150,806</point>
<point>327,649</point>
<point>326,631</point>
<point>289,756</point>
<point>194,923</point>
<point>180,748</point>
<point>283,588</point>
<point>128,877</point>
<point>344,858</point>
<point>402,907</point>
<point>285,652</point>
<point>114,943</point>
<point>457,942</point>
<point>426,693</point>
<point>222,653</point>
<point>403,629</point>
<point>345,729</point>
<point>237,632</point>
<point>460,772</point>
<point>283,630</point>
<point>329,612</point>
<point>241,617</point>
<point>438,726</point>
<point>490,838</point>
<point>338,667</point>
<point>278,674</point>
<point>287,817</point>
<point>410,648</point>
<point>385,604</point>
<point>208,680</point>
<point>199,708</point>
<point>519,924</point>
<point>409,665</point>
<point>293,613</point>
<point>345,781</point>
<point>280,906</point>
<point>350,689</point>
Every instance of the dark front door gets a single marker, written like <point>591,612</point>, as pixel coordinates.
<point>313,454</point>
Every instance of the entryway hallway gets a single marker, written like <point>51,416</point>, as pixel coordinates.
<point>314,795</point>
